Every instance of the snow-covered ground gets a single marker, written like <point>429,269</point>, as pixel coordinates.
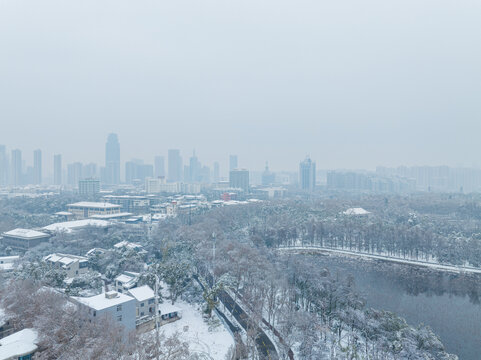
<point>209,344</point>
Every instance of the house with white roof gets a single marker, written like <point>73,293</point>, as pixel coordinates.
<point>126,281</point>
<point>121,307</point>
<point>7,262</point>
<point>71,265</point>
<point>24,239</point>
<point>70,226</point>
<point>145,298</point>
<point>169,312</point>
<point>86,209</point>
<point>19,346</point>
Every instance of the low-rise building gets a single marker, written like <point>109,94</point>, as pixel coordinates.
<point>126,281</point>
<point>7,262</point>
<point>145,298</point>
<point>86,209</point>
<point>72,265</point>
<point>24,239</point>
<point>19,346</point>
<point>121,307</point>
<point>70,226</point>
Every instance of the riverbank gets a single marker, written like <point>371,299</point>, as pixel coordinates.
<point>431,265</point>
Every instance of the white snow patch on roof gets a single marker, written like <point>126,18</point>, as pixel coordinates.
<point>100,302</point>
<point>68,226</point>
<point>142,293</point>
<point>18,344</point>
<point>356,211</point>
<point>25,233</point>
<point>89,204</point>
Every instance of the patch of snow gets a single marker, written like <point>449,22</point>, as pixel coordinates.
<point>214,343</point>
<point>18,344</point>
<point>356,211</point>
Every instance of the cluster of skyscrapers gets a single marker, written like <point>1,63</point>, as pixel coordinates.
<point>88,177</point>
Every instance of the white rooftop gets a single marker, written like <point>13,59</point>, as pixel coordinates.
<point>168,308</point>
<point>25,233</point>
<point>100,302</point>
<point>68,226</point>
<point>356,211</point>
<point>65,259</point>
<point>142,293</point>
<point>89,204</point>
<point>111,216</point>
<point>18,344</point>
<point>127,244</point>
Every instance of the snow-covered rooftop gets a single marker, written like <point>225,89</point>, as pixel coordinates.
<point>18,344</point>
<point>100,302</point>
<point>63,213</point>
<point>124,278</point>
<point>65,259</point>
<point>142,293</point>
<point>25,233</point>
<point>168,308</point>
<point>128,245</point>
<point>98,205</point>
<point>68,226</point>
<point>111,216</point>
<point>356,211</point>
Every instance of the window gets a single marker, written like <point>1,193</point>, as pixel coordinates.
<point>119,307</point>
<point>151,301</point>
<point>119,318</point>
<point>141,314</point>
<point>141,304</point>
<point>95,313</point>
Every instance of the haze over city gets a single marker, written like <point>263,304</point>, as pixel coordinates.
<point>354,85</point>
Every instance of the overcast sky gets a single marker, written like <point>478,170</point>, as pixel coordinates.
<point>354,84</point>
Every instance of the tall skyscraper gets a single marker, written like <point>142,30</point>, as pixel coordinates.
<point>239,179</point>
<point>3,166</point>
<point>57,169</point>
<point>307,174</point>
<point>159,163</point>
<point>216,175</point>
<point>16,172</point>
<point>194,169</point>
<point>268,177</point>
<point>175,165</point>
<point>233,162</point>
<point>74,173</point>
<point>37,167</point>
<point>112,160</point>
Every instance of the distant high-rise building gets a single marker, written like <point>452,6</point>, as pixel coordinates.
<point>159,163</point>
<point>307,174</point>
<point>216,175</point>
<point>74,173</point>
<point>3,166</point>
<point>175,165</point>
<point>37,167</point>
<point>137,170</point>
<point>112,160</point>
<point>194,170</point>
<point>57,169</point>
<point>239,179</point>
<point>89,171</point>
<point>233,162</point>
<point>16,172</point>
<point>268,177</point>
<point>89,186</point>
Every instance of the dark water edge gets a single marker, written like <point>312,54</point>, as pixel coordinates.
<point>449,303</point>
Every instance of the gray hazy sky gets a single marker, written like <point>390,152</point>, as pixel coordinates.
<point>353,83</point>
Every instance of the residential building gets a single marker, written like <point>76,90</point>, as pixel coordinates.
<point>159,163</point>
<point>175,166</point>
<point>233,162</point>
<point>159,185</point>
<point>57,169</point>
<point>112,160</point>
<point>19,346</point>
<point>37,167</point>
<point>307,174</point>
<point>89,187</point>
<point>239,179</point>
<point>145,298</point>
<point>121,307</point>
<point>23,239</point>
<point>126,281</point>
<point>86,209</point>
<point>71,265</point>
<point>16,173</point>
<point>7,262</point>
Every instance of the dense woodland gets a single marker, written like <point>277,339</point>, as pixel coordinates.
<point>317,313</point>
